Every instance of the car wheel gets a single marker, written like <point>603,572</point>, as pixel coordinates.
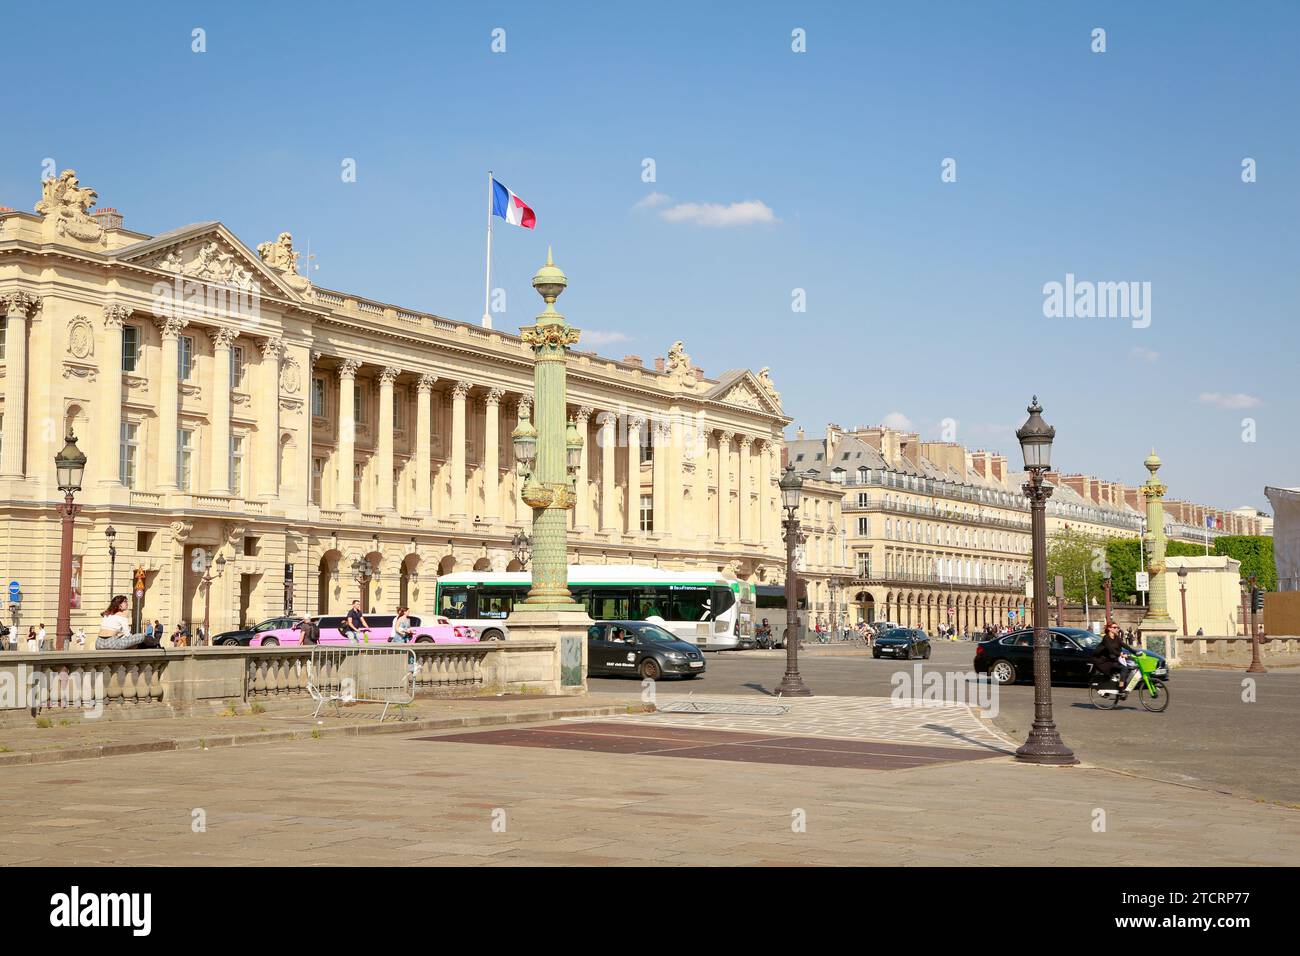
<point>876,654</point>
<point>650,669</point>
<point>1004,672</point>
<point>492,635</point>
<point>230,642</point>
<point>424,639</point>
<point>270,642</point>
<point>926,655</point>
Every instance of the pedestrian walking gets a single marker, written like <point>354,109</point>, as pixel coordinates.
<point>402,631</point>
<point>31,640</point>
<point>40,638</point>
<point>13,639</point>
<point>310,630</point>
<point>148,629</point>
<point>115,628</point>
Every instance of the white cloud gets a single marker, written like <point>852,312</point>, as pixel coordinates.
<point>1139,354</point>
<point>653,200</point>
<point>897,420</point>
<point>746,213</point>
<point>1233,402</point>
<point>600,338</point>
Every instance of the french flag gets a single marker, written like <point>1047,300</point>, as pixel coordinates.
<point>511,208</point>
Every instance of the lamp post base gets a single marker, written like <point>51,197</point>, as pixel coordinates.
<point>1045,746</point>
<point>792,685</point>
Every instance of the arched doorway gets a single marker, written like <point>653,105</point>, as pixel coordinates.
<point>326,581</point>
<point>866,606</point>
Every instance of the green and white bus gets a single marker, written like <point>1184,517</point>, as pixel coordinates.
<point>713,611</point>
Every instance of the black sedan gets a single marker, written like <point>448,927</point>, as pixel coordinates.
<point>907,643</point>
<point>640,648</point>
<point>1011,658</point>
<point>241,637</point>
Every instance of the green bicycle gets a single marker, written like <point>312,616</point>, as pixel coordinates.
<point>1152,693</point>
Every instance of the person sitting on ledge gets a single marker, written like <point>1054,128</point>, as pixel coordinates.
<point>115,629</point>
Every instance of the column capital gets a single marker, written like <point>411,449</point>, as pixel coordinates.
<point>494,396</point>
<point>20,303</point>
<point>461,389</point>
<point>584,413</point>
<point>272,348</point>
<point>170,326</point>
<point>635,421</point>
<point>745,441</point>
<point>115,315</point>
<point>725,437</point>
<point>348,368</point>
<point>388,375</point>
<point>314,356</point>
<point>222,337</point>
<point>426,382</point>
<point>607,419</point>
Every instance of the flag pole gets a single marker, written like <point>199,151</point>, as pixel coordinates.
<point>487,279</point>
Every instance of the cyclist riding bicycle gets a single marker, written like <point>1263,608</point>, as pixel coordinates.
<point>1109,658</point>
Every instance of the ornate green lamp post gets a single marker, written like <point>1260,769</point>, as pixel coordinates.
<point>70,466</point>
<point>1157,626</point>
<point>548,452</point>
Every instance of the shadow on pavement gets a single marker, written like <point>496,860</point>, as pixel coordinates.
<point>958,735</point>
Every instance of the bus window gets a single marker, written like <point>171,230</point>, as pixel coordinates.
<point>722,601</point>
<point>650,602</point>
<point>495,603</point>
<point>605,605</point>
<point>691,604</point>
<point>455,603</point>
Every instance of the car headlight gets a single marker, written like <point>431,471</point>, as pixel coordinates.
<point>675,656</point>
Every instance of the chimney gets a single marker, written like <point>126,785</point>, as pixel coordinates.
<point>699,373</point>
<point>798,434</point>
<point>833,435</point>
<point>1054,477</point>
<point>979,462</point>
<point>659,364</point>
<point>632,360</point>
<point>108,217</point>
<point>998,465</point>
<point>1076,483</point>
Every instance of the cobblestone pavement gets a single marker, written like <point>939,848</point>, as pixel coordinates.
<point>859,718</point>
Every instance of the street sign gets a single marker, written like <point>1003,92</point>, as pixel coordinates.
<point>1143,581</point>
<point>15,592</point>
<point>139,593</point>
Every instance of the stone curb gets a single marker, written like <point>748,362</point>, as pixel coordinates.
<point>321,731</point>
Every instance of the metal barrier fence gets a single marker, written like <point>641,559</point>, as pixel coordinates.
<point>371,675</point>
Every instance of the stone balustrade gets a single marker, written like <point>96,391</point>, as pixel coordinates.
<point>182,681</point>
<point>1235,651</point>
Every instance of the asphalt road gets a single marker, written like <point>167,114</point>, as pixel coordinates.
<point>1209,737</point>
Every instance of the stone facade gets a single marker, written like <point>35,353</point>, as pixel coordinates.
<point>229,408</point>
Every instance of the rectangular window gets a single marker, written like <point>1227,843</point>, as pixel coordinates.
<point>184,457</point>
<point>399,409</point>
<point>864,565</point>
<point>317,478</point>
<point>864,499</point>
<point>236,366</point>
<point>647,451</point>
<point>358,404</point>
<point>128,453</point>
<point>185,357</point>
<point>647,513</point>
<point>130,348</point>
<point>318,397</point>
<point>4,334</point>
<point>237,465</point>
<point>864,527</point>
<point>356,485</point>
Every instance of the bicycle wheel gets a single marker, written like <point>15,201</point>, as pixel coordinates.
<point>1157,702</point>
<point>1102,701</point>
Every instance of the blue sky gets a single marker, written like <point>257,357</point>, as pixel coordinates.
<point>924,298</point>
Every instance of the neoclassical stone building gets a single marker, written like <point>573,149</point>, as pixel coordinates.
<point>230,409</point>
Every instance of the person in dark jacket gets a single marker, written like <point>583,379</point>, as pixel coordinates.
<point>310,630</point>
<point>1106,659</point>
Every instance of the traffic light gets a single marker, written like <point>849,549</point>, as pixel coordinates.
<point>1257,600</point>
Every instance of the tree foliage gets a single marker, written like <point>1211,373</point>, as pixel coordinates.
<point>1080,559</point>
<point>1255,552</point>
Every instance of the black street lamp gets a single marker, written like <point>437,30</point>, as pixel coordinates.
<point>207,597</point>
<point>69,465</point>
<point>111,534</point>
<point>792,684</point>
<point>1256,665</point>
<point>1182,589</point>
<point>523,545</point>
<point>1044,745</point>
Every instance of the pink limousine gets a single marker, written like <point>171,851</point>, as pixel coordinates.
<point>439,631</point>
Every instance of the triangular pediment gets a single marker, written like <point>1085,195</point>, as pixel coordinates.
<point>209,252</point>
<point>744,389</point>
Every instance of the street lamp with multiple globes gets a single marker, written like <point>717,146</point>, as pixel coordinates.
<point>207,580</point>
<point>1044,745</point>
<point>70,466</point>
<point>522,543</point>
<point>1105,576</point>
<point>1256,665</point>
<point>792,684</point>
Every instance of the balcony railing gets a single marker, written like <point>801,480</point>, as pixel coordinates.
<point>927,579</point>
<point>939,514</point>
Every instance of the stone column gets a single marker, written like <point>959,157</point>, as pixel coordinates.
<point>168,400</point>
<point>632,499</point>
<point>18,306</point>
<point>267,460</point>
<point>219,453</point>
<point>1158,629</point>
<point>459,392</point>
<point>608,448</point>
<point>523,513</point>
<point>700,517</point>
<point>110,396</point>
<point>423,443</point>
<point>746,510</point>
<point>582,507</point>
<point>661,438</point>
<point>762,526</point>
<point>384,438</point>
<point>492,454</point>
<point>347,434</point>
<point>724,486</point>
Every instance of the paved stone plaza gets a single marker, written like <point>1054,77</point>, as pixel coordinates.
<point>403,799</point>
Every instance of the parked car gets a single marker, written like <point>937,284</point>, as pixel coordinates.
<point>642,649</point>
<point>1010,658</point>
<point>440,631</point>
<point>243,636</point>
<point>906,643</point>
